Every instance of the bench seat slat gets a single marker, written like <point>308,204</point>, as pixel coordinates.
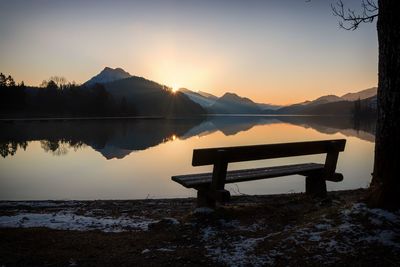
<point>195,180</point>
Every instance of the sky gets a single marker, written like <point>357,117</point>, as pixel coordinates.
<point>278,51</point>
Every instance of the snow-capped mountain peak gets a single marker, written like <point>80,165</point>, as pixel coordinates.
<point>108,75</point>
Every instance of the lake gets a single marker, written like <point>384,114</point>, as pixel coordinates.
<point>135,158</point>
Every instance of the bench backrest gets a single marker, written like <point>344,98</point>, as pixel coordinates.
<point>210,156</point>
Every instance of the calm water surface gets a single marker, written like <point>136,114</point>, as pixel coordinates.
<point>134,159</point>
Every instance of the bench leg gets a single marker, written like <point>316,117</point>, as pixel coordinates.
<point>315,186</point>
<point>204,199</point>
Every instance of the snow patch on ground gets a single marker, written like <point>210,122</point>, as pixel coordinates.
<point>233,250</point>
<point>203,210</point>
<point>323,226</point>
<point>70,221</point>
<point>238,253</point>
<point>351,232</point>
<point>208,233</point>
<point>229,243</point>
<point>388,233</point>
<point>171,220</point>
<point>165,249</point>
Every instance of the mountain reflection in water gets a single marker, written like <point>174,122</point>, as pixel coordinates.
<point>119,138</point>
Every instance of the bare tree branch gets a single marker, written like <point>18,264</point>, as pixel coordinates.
<point>350,20</point>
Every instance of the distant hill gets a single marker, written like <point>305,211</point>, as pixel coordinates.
<point>324,100</point>
<point>205,100</point>
<point>268,106</point>
<point>292,109</point>
<point>364,94</point>
<point>207,95</point>
<point>108,75</point>
<point>231,103</point>
<point>147,97</point>
<point>228,103</point>
<point>327,108</point>
<point>332,104</point>
<point>332,108</point>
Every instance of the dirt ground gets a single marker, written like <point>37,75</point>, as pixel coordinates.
<point>274,230</point>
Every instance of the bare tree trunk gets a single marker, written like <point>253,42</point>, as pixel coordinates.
<point>385,186</point>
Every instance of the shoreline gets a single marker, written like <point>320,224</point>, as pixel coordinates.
<point>191,199</point>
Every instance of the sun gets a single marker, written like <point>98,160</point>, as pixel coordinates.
<point>175,88</point>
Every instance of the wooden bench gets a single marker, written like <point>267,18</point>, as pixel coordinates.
<point>210,186</point>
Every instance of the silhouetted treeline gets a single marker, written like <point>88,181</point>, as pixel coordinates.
<point>56,97</point>
<point>12,95</point>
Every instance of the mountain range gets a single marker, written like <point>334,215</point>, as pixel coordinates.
<point>151,98</point>
<point>332,104</point>
<point>146,97</point>
<point>229,103</point>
